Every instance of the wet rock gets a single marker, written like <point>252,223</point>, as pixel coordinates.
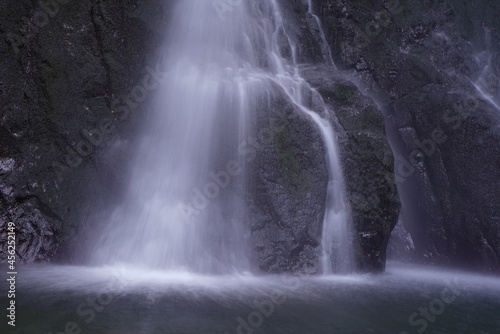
<point>401,246</point>
<point>367,163</point>
<point>37,231</point>
<point>418,59</point>
<point>287,190</point>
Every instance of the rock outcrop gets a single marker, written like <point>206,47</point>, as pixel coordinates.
<point>287,189</point>
<point>421,61</point>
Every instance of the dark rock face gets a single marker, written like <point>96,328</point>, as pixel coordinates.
<point>401,247</point>
<point>418,59</point>
<point>64,67</point>
<point>37,231</point>
<point>287,189</point>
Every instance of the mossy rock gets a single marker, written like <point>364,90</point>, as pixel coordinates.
<point>344,94</point>
<point>295,178</point>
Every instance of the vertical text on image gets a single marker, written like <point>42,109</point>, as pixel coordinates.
<point>11,274</point>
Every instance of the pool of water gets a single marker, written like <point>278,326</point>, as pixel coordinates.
<point>122,300</point>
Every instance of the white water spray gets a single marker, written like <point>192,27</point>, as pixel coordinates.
<point>184,209</point>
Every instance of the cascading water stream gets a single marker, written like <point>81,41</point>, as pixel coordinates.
<point>185,207</point>
<point>487,83</point>
<point>337,248</point>
<point>325,48</point>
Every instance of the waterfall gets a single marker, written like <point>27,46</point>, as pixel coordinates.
<point>325,47</point>
<point>185,207</point>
